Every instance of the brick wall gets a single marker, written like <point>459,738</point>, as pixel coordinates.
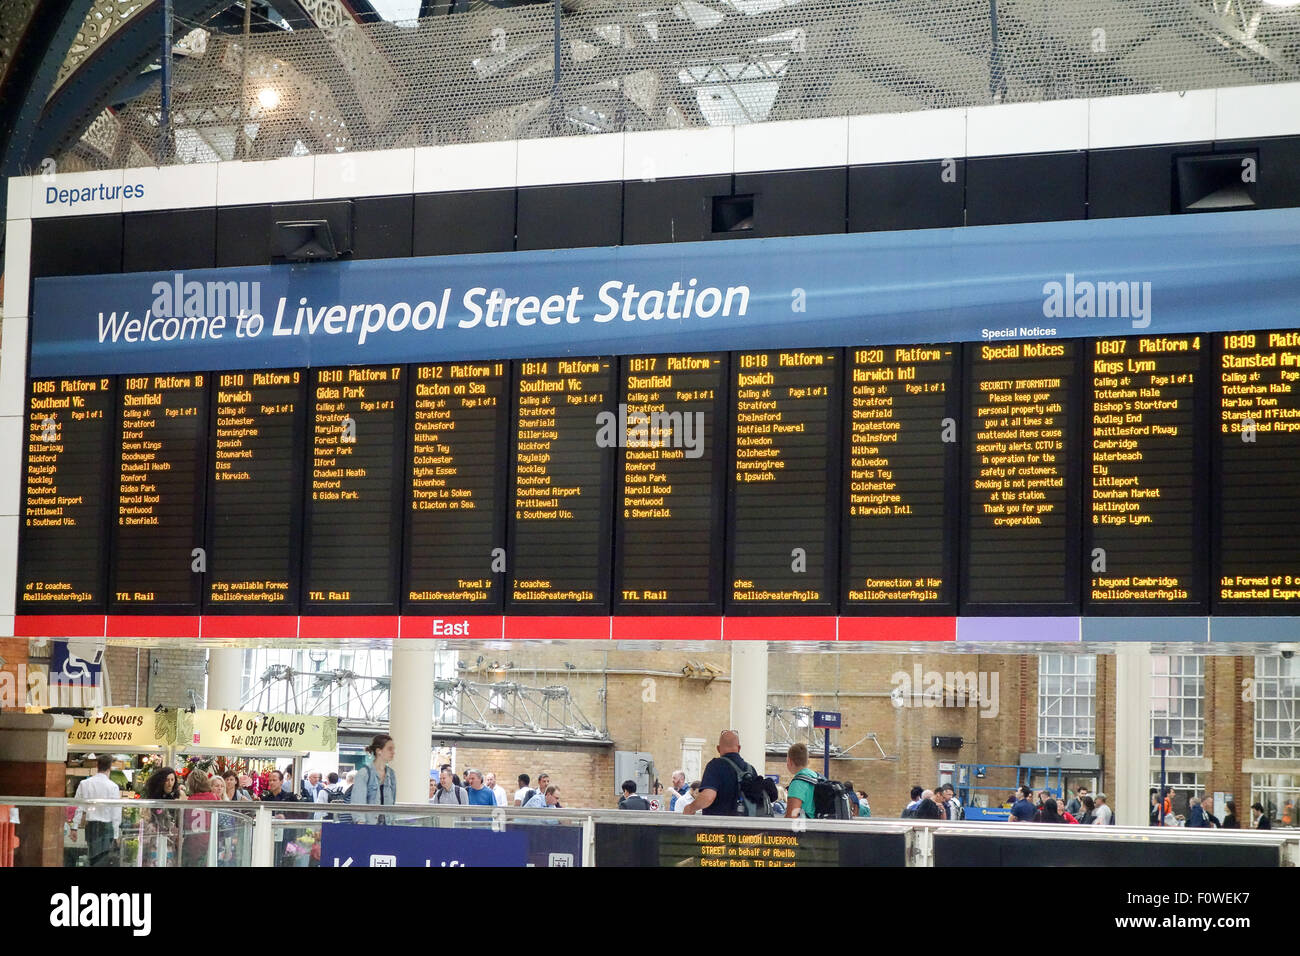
<point>583,774</point>
<point>14,652</point>
<point>128,676</point>
<point>179,669</point>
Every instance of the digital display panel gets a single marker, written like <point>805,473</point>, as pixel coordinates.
<point>1146,486</point>
<point>456,496</point>
<point>255,491</point>
<point>901,476</point>
<point>1021,535</point>
<point>68,448</point>
<point>162,451</point>
<point>718,848</point>
<point>1257,495</point>
<point>355,479</point>
<point>783,537</point>
<point>671,480</point>
<point>562,485</point>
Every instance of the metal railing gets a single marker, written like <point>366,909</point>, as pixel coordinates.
<point>170,833</point>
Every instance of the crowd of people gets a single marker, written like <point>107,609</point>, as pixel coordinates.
<point>728,786</point>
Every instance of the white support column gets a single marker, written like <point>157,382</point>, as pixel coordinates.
<point>748,701</point>
<point>1129,797</point>
<point>411,718</point>
<point>225,678</point>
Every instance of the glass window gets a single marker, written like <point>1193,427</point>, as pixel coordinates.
<point>1278,794</point>
<point>1277,708</point>
<point>1178,702</point>
<point>1067,703</point>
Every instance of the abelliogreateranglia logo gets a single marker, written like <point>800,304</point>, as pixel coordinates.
<point>78,910</point>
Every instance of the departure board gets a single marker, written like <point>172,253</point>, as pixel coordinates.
<point>355,479</point>
<point>561,485</point>
<point>782,551</point>
<point>1020,547</point>
<point>68,447</point>
<point>902,467</point>
<point>255,491</point>
<point>456,497</point>
<point>1146,504</point>
<point>162,452</point>
<point>1257,495</point>
<point>671,481</point>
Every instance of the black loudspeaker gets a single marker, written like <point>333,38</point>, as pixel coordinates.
<point>305,232</point>
<point>946,743</point>
<point>733,213</point>
<point>1218,182</point>
<point>1279,169</point>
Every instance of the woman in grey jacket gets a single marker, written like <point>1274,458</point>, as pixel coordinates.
<point>375,784</point>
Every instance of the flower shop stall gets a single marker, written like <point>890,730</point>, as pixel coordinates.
<point>141,740</point>
<point>252,744</point>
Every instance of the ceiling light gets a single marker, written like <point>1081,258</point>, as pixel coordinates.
<point>268,97</point>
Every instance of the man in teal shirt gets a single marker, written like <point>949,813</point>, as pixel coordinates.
<point>799,794</point>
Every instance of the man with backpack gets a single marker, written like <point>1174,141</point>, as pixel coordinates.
<point>800,798</point>
<point>731,787</point>
<point>813,796</point>
<point>448,791</point>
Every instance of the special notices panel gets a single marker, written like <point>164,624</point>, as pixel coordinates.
<point>901,477</point>
<point>669,516</point>
<point>255,491</point>
<point>1020,541</point>
<point>162,450</point>
<point>354,509</point>
<point>1146,518</point>
<point>562,485</point>
<point>456,501</point>
<point>783,535</point>
<point>68,447</point>
<point>1256,492</point>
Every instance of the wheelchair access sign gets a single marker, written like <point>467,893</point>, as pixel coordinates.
<point>354,844</point>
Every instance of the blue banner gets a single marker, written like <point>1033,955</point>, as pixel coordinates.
<point>354,844</point>
<point>1165,274</point>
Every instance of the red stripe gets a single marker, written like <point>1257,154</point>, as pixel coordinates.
<point>557,628</point>
<point>779,628</point>
<point>667,628</point>
<point>244,626</point>
<point>360,626</point>
<point>478,628</point>
<point>898,629</point>
<point>59,625</point>
<point>153,625</point>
